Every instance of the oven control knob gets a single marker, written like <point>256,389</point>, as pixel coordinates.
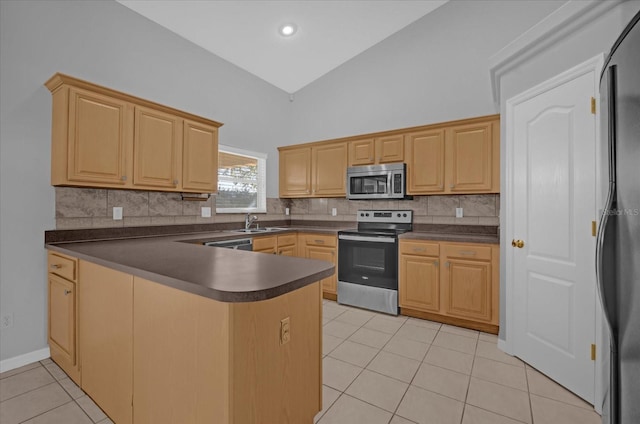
<point>404,215</point>
<point>367,214</point>
<point>361,214</point>
<point>398,215</point>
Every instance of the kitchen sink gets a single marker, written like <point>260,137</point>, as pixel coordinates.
<point>257,230</point>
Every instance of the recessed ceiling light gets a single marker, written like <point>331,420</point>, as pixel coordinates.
<point>287,30</point>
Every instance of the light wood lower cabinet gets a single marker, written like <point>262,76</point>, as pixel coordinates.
<point>288,245</point>
<point>63,313</point>
<point>419,276</point>
<point>325,248</point>
<point>154,354</point>
<point>106,339</point>
<point>456,283</point>
<point>266,244</point>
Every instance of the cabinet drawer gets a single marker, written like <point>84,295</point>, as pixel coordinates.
<point>64,266</point>
<point>321,240</point>
<point>264,243</point>
<point>419,248</point>
<point>287,240</point>
<point>467,251</point>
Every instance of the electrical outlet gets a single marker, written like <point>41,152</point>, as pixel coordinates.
<point>334,211</point>
<point>285,331</point>
<point>459,213</point>
<point>286,211</point>
<point>7,321</point>
<point>117,213</point>
<point>205,212</point>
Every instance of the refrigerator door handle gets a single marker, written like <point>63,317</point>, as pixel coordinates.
<point>604,268</point>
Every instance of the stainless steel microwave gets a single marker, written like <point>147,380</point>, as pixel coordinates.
<point>376,181</point>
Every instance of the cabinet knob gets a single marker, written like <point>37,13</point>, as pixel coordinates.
<point>66,292</point>
<point>371,159</point>
<point>447,264</point>
<point>56,266</point>
<point>452,186</point>
<point>517,243</point>
<point>123,178</point>
<point>175,182</point>
<point>436,263</point>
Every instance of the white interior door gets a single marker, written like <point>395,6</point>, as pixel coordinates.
<point>551,208</point>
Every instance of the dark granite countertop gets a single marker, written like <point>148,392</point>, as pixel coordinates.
<point>182,262</point>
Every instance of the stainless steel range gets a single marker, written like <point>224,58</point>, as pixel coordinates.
<point>368,260</point>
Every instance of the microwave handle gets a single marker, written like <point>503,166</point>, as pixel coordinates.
<point>390,183</point>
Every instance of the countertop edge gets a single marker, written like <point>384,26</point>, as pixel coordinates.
<point>208,292</point>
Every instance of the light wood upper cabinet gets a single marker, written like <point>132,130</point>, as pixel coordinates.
<point>104,138</point>
<point>390,149</point>
<point>98,138</point>
<point>329,166</point>
<point>295,172</point>
<point>200,157</point>
<point>362,152</point>
<point>157,149</point>
<point>378,150</point>
<point>473,158</point>
<point>106,339</point>
<point>314,171</point>
<point>425,154</point>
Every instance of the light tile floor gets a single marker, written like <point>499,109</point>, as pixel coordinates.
<point>397,370</point>
<point>376,369</point>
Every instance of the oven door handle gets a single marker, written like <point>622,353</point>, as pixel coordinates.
<point>367,238</point>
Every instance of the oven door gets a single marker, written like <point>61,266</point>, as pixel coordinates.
<point>368,260</point>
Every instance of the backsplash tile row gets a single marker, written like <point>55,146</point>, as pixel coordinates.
<point>91,208</point>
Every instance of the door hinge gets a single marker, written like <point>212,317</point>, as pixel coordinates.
<point>593,352</point>
<point>593,105</point>
<point>594,228</point>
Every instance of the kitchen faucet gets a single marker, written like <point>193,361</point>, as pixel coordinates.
<point>248,220</point>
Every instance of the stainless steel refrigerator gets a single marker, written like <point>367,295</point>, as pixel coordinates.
<point>618,246</point>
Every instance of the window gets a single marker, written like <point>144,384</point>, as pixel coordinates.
<point>241,181</point>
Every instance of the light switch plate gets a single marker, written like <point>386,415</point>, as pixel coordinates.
<point>286,211</point>
<point>205,212</point>
<point>117,213</point>
<point>459,213</point>
<point>334,212</point>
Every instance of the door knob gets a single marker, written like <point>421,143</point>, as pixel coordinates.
<point>517,243</point>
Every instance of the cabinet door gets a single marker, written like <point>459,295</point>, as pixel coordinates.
<point>287,250</point>
<point>419,283</point>
<point>106,339</point>
<point>362,152</point>
<point>471,158</point>
<point>329,170</point>
<point>329,284</point>
<point>295,172</point>
<point>157,149</point>
<point>467,288</point>
<point>62,318</point>
<point>199,157</point>
<point>98,138</point>
<point>425,162</point>
<point>390,149</point>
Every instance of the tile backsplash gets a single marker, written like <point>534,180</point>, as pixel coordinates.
<point>92,208</point>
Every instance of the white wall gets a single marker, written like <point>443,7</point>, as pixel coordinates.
<point>106,43</point>
<point>432,71</point>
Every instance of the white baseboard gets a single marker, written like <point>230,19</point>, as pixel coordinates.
<point>26,359</point>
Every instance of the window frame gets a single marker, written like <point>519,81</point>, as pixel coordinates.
<point>262,180</point>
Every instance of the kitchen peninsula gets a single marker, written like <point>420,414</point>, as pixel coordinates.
<point>168,330</point>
